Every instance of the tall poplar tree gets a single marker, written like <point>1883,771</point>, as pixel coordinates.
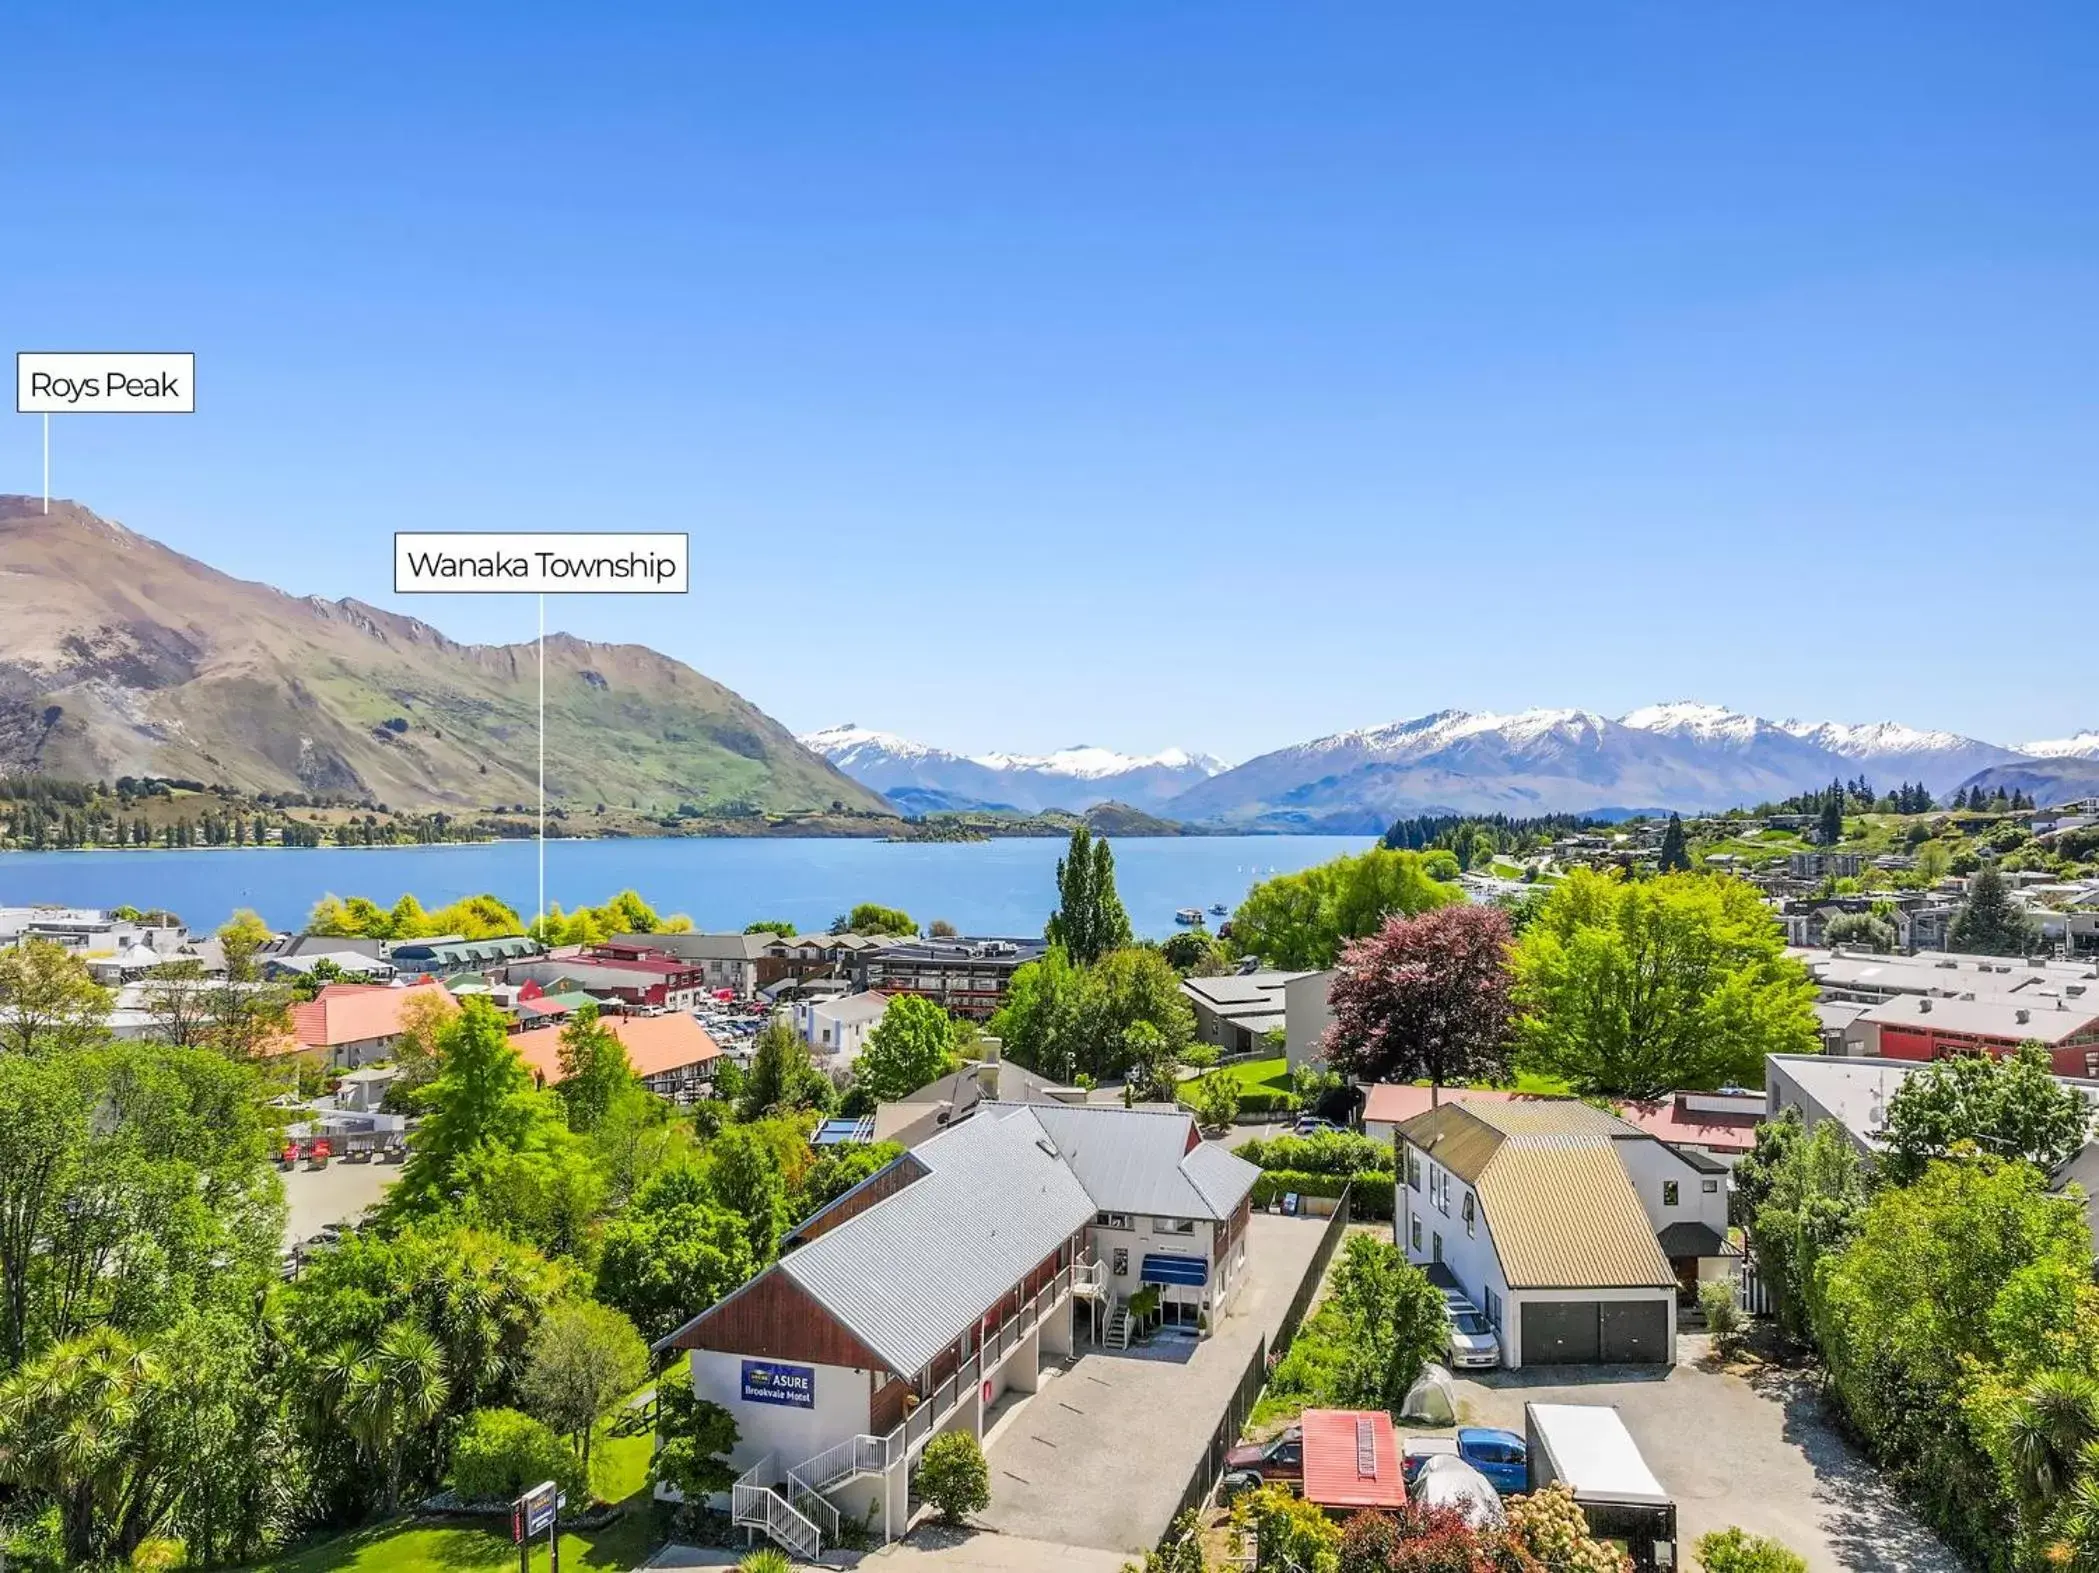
<point>1675,856</point>
<point>1089,920</point>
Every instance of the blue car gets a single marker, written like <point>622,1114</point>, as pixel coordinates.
<point>1499,1455</point>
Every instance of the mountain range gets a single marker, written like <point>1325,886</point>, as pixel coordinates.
<point>119,656</point>
<point>921,779</point>
<point>1683,756</point>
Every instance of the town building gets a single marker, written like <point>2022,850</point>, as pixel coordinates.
<point>636,975</point>
<point>1718,1125</point>
<point>836,1026</point>
<point>351,1024</point>
<point>1238,1010</point>
<point>943,1101</point>
<point>966,977</point>
<point>912,1305</point>
<point>443,957</point>
<point>353,965</point>
<point>1928,1027</point>
<point>1856,1094</point>
<point>1825,865</point>
<point>737,964</point>
<point>670,1054</point>
<point>1575,1232</point>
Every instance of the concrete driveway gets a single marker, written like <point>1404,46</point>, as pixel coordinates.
<point>1100,1456</point>
<point>1756,1450</point>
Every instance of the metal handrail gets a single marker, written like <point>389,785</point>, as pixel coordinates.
<point>868,1454</point>
<point>754,1502</point>
<point>808,1501</point>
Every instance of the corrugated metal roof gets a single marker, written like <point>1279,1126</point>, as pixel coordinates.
<point>1141,1160</point>
<point>909,1274</point>
<point>1558,1204</point>
<point>1565,1217</point>
<point>1351,1459</point>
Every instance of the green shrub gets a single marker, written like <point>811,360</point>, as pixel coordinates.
<point>1330,1152</point>
<point>1716,1297</point>
<point>1734,1550</point>
<point>953,1477</point>
<point>1214,1099</point>
<point>766,1559</point>
<point>501,1454</point>
<point>1267,1100</point>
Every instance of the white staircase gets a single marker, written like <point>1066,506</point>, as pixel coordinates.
<point>1118,1329</point>
<point>754,1504</point>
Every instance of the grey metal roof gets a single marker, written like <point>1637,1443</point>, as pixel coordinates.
<point>910,1273</point>
<point>1140,1161</point>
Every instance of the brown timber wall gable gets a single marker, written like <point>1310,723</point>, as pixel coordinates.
<point>877,1187</point>
<point>774,1318</point>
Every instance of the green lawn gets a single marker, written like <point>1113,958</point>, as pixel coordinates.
<point>416,1545</point>
<point>1261,1075</point>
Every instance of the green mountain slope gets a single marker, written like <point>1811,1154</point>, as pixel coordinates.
<point>121,657</point>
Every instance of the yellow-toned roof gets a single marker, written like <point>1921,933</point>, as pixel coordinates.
<point>1565,1216</point>
<point>1558,1203</point>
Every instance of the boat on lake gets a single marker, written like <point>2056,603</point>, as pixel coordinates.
<point>1189,917</point>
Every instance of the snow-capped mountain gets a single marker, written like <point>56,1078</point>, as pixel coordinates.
<point>918,777</point>
<point>1685,756</point>
<point>2084,745</point>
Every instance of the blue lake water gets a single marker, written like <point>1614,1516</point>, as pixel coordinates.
<point>982,887</point>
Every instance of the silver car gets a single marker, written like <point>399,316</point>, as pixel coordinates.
<point>1473,1343</point>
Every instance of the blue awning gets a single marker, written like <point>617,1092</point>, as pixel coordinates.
<point>1175,1270</point>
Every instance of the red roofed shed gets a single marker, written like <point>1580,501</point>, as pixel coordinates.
<point>1352,1459</point>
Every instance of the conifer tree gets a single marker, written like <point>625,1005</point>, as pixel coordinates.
<point>1989,922</point>
<point>1675,856</point>
<point>1089,920</point>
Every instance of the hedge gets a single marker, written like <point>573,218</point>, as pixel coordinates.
<point>1371,1197</point>
<point>1253,1100</point>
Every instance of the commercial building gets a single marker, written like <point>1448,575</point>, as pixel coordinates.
<point>441,957</point>
<point>636,975</point>
<point>740,964</point>
<point>352,1024</point>
<point>1928,1027</point>
<point>1575,1232</point>
<point>967,977</point>
<point>671,1054</point>
<point>914,1303</point>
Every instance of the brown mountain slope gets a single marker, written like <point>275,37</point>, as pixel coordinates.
<point>121,657</point>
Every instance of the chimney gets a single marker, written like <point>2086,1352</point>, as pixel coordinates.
<point>1924,1005</point>
<point>2023,1014</point>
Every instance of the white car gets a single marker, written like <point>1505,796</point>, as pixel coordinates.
<point>1474,1345</point>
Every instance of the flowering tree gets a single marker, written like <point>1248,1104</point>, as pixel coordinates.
<point>1424,998</point>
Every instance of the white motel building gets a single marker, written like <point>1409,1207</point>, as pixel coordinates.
<point>916,1302</point>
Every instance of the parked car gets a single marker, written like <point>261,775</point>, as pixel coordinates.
<point>1280,1458</point>
<point>1312,1125</point>
<point>1474,1345</point>
<point>1500,1456</point>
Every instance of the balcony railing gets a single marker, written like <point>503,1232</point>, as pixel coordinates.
<point>873,1455</point>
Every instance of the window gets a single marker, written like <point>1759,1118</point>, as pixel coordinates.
<point>1173,1226</point>
<point>1669,1193</point>
<point>1710,1187</point>
<point>1436,1247</point>
<point>1469,1211</point>
<point>1493,1306</point>
<point>1413,1169</point>
<point>1111,1220</point>
<point>1415,1226</point>
<point>1122,1261</point>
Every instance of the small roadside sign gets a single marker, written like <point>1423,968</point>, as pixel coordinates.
<point>534,1511</point>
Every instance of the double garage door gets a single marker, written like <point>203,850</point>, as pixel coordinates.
<point>1592,1332</point>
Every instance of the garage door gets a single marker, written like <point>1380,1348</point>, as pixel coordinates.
<point>1635,1331</point>
<point>1561,1332</point>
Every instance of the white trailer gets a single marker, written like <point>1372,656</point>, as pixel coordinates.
<point>1586,1447</point>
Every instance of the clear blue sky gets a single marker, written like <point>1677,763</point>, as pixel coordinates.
<point>1198,373</point>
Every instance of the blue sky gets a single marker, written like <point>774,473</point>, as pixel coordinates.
<point>1207,374</point>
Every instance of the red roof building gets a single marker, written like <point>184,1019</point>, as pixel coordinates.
<point>668,1053</point>
<point>353,1024</point>
<point>1352,1460</point>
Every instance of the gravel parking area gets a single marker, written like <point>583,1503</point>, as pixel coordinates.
<point>1756,1450</point>
<point>1101,1455</point>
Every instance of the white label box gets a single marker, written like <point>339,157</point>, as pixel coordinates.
<point>100,382</point>
<point>526,562</point>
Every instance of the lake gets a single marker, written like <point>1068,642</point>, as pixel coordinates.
<point>982,887</point>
